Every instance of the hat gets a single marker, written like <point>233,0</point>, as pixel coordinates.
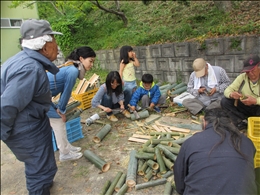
<point>250,63</point>
<point>33,28</point>
<point>199,67</point>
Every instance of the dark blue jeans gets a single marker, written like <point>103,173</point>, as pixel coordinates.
<point>107,101</point>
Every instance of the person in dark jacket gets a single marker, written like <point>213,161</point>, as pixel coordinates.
<point>25,100</point>
<point>218,160</point>
<point>148,93</point>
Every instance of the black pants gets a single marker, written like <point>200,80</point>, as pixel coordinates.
<point>239,112</point>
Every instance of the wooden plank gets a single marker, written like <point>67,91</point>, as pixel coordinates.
<point>197,122</point>
<point>133,139</point>
<point>167,129</point>
<point>84,87</point>
<point>172,128</point>
<point>141,136</point>
<point>156,128</point>
<point>81,82</point>
<point>162,129</point>
<point>93,79</point>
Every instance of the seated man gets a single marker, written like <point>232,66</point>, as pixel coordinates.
<point>207,83</point>
<point>243,100</point>
<point>148,93</point>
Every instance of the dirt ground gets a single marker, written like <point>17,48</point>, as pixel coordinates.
<point>81,176</point>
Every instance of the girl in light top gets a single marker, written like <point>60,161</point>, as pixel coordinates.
<point>128,61</point>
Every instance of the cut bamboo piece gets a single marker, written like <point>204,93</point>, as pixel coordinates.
<point>81,82</point>
<point>151,183</point>
<point>122,190</point>
<point>167,152</point>
<point>181,140</point>
<point>113,184</point>
<point>166,143</point>
<point>143,168</point>
<point>174,150</point>
<point>97,161</point>
<point>139,166</point>
<point>168,174</point>
<point>148,149</point>
<point>105,188</point>
<point>137,140</point>
<point>157,141</point>
<point>131,170</point>
<point>167,188</point>
<point>145,155</point>
<point>147,143</point>
<point>156,128</point>
<point>141,136</point>
<point>148,175</point>
<point>173,128</point>
<point>152,164</point>
<point>160,161</point>
<point>102,133</point>
<point>120,182</point>
<point>168,163</point>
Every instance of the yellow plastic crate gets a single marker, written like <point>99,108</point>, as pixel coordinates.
<point>253,133</point>
<point>85,98</point>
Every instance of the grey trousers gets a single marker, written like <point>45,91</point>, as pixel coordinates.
<point>195,106</point>
<point>146,101</point>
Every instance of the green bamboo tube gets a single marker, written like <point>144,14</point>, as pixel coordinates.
<point>164,86</point>
<point>151,183</point>
<point>168,135</point>
<point>174,145</point>
<point>131,170</point>
<point>145,155</point>
<point>113,184</point>
<point>105,188</point>
<point>75,115</point>
<point>146,144</point>
<point>181,140</point>
<point>168,163</point>
<point>159,175</point>
<point>140,164</point>
<point>155,171</point>
<point>143,168</point>
<point>120,182</point>
<point>143,114</point>
<point>157,141</point>
<point>166,143</point>
<point>160,161</point>
<point>179,90</point>
<point>148,149</point>
<point>98,162</point>
<point>148,175</point>
<point>168,174</point>
<point>167,188</point>
<point>172,86</point>
<point>147,170</point>
<point>163,133</point>
<point>173,150</point>
<point>70,114</point>
<point>152,164</point>
<point>167,152</point>
<point>122,190</point>
<point>180,85</point>
<point>102,133</point>
<point>72,106</point>
<point>182,135</point>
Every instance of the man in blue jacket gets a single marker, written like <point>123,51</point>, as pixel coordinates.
<point>148,93</point>
<point>25,100</point>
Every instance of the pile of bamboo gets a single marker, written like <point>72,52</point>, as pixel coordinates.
<point>85,85</point>
<point>173,89</point>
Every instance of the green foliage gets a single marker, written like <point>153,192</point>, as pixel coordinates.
<point>235,44</point>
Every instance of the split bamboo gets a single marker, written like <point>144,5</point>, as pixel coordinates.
<point>122,190</point>
<point>105,188</point>
<point>167,188</point>
<point>102,133</point>
<point>97,161</point>
<point>160,161</point>
<point>151,183</point>
<point>131,170</point>
<point>120,182</point>
<point>113,184</point>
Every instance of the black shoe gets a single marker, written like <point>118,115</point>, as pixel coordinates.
<point>242,125</point>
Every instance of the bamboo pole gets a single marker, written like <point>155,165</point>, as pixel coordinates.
<point>120,182</point>
<point>148,149</point>
<point>152,164</point>
<point>122,190</point>
<point>167,188</point>
<point>113,184</point>
<point>160,161</point>
<point>105,187</point>
<point>150,183</point>
<point>97,161</point>
<point>173,150</point>
<point>168,174</point>
<point>143,168</point>
<point>148,175</point>
<point>167,152</point>
<point>102,133</point>
<point>181,140</point>
<point>157,141</point>
<point>142,114</point>
<point>145,155</point>
<point>131,170</point>
<point>168,163</point>
<point>166,143</point>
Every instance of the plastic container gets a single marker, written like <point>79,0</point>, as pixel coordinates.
<point>85,98</point>
<point>54,142</point>
<point>178,99</point>
<point>253,133</point>
<point>74,130</point>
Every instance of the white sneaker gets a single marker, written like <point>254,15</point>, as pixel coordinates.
<point>74,148</point>
<point>70,156</point>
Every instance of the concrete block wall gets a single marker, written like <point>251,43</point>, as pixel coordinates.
<point>172,62</point>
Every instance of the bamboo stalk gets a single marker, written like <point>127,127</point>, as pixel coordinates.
<point>113,184</point>
<point>122,190</point>
<point>173,150</point>
<point>147,143</point>
<point>147,170</point>
<point>167,152</point>
<point>150,183</point>
<point>168,174</point>
<point>167,188</point>
<point>145,155</point>
<point>157,141</point>
<point>139,166</point>
<point>160,161</point>
<point>120,182</point>
<point>148,175</point>
<point>175,145</point>
<point>105,187</point>
<point>102,133</point>
<point>166,143</point>
<point>181,140</point>
<point>168,163</point>
<point>143,168</point>
<point>152,164</point>
<point>148,149</point>
<point>97,161</point>
<point>131,170</point>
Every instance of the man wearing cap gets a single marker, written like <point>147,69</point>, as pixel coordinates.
<point>25,100</point>
<point>243,100</point>
<point>207,83</point>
